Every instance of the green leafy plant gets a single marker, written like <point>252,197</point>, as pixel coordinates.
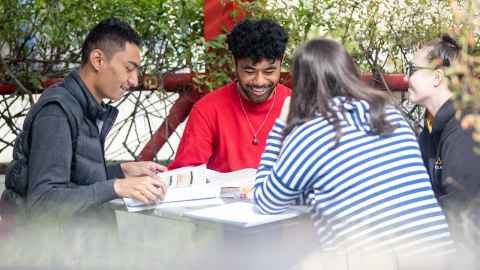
<point>464,76</point>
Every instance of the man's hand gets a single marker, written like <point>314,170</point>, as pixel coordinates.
<point>141,168</point>
<point>285,109</point>
<point>146,189</point>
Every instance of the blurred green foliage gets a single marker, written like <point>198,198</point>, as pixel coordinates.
<point>40,38</point>
<point>379,34</point>
<point>464,76</point>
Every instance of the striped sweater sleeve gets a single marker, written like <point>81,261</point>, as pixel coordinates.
<point>272,193</point>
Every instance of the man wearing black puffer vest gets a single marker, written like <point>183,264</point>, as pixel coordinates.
<point>68,182</point>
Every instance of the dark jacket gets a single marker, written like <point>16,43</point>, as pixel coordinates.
<point>68,180</point>
<point>456,179</point>
<point>70,183</point>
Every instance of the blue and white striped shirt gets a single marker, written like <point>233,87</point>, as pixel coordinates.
<point>367,192</point>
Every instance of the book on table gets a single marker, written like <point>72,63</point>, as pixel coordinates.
<point>197,183</point>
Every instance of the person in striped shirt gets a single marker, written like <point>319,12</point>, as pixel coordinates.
<point>342,148</point>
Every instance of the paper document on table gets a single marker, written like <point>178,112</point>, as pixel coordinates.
<point>198,192</point>
<point>233,184</point>
<point>235,178</point>
<point>192,203</point>
<point>184,177</point>
<point>184,184</point>
<point>241,214</point>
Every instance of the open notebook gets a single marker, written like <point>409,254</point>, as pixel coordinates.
<point>241,214</point>
<point>196,183</point>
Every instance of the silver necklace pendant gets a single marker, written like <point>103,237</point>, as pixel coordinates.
<point>255,140</point>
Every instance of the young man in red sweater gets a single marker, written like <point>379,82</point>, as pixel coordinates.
<point>227,129</point>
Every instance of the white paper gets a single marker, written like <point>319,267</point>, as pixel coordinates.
<point>183,184</point>
<point>193,203</point>
<point>239,213</point>
<point>197,182</point>
<point>238,178</point>
<point>205,191</point>
<point>184,177</point>
<point>236,185</point>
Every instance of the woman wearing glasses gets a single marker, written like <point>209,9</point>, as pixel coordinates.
<point>448,150</point>
<point>343,149</point>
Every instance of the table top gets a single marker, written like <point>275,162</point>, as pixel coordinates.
<point>176,212</point>
<point>182,242</point>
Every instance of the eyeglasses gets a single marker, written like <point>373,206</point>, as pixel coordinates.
<point>412,68</point>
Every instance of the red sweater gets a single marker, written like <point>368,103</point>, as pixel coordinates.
<point>218,134</point>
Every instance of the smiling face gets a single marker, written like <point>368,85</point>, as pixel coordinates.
<point>257,81</point>
<point>118,74</point>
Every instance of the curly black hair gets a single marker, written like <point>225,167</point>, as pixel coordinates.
<point>109,35</point>
<point>257,39</point>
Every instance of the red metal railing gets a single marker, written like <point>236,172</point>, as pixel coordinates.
<point>183,84</point>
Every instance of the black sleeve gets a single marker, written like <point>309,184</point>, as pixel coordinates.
<point>49,169</point>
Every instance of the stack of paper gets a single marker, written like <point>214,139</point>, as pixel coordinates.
<point>235,184</point>
<point>198,192</point>
<point>184,184</point>
<point>233,179</point>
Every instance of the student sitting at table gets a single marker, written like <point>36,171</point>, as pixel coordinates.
<point>227,129</point>
<point>345,150</point>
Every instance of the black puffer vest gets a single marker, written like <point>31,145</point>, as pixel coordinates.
<point>88,161</point>
<point>82,110</point>
<point>88,164</point>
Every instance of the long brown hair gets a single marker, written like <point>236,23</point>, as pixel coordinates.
<point>322,69</point>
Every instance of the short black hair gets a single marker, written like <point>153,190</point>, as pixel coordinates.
<point>257,39</point>
<point>445,51</point>
<point>110,36</point>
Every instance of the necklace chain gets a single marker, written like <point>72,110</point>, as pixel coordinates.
<point>255,132</point>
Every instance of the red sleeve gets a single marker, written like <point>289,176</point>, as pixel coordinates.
<point>196,144</point>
